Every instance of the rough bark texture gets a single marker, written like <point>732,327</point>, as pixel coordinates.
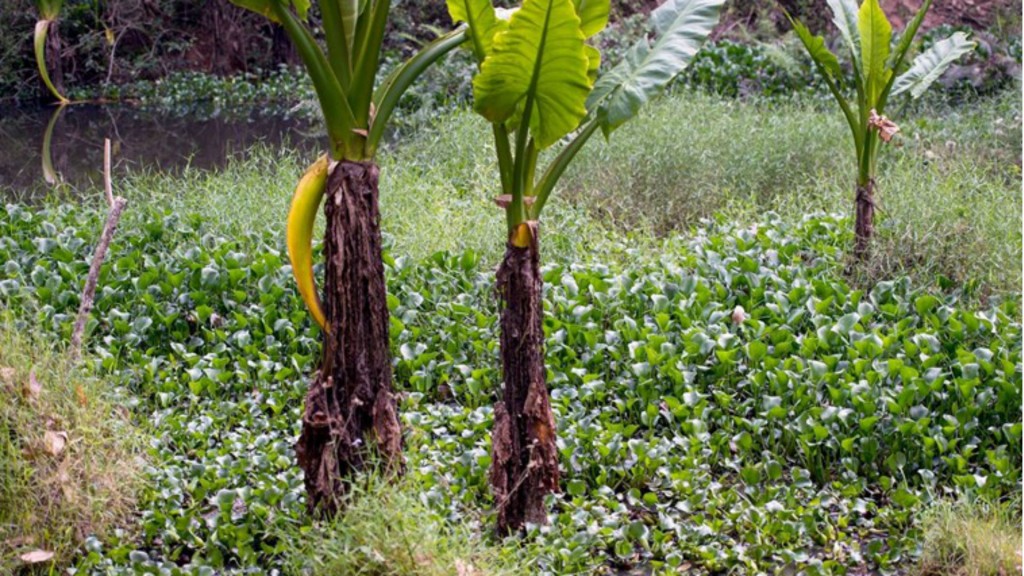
<point>865,224</point>
<point>525,458</point>
<point>350,407</point>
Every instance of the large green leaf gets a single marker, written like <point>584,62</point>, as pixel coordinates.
<point>816,47</point>
<point>929,65</point>
<point>682,27</point>
<point>875,36</point>
<point>844,16</point>
<point>593,15</point>
<point>539,63</point>
<point>483,24</point>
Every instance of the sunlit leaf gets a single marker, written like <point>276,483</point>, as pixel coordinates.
<point>540,59</point>
<point>929,65</point>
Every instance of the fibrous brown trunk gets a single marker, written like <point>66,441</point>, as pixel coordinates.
<point>864,228</point>
<point>351,409</point>
<point>524,466</point>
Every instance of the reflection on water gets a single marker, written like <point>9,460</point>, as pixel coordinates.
<point>43,144</point>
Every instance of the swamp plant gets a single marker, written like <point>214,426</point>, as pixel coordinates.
<point>350,406</point>
<point>879,71</point>
<point>537,84</point>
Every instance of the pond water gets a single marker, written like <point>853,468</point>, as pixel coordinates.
<point>43,146</point>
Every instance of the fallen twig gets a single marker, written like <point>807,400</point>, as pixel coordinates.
<point>117,205</point>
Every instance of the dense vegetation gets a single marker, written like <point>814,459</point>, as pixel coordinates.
<point>826,428</point>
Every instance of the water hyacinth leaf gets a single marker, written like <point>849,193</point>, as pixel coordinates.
<point>682,27</point>
<point>875,38</point>
<point>929,65</point>
<point>540,61</point>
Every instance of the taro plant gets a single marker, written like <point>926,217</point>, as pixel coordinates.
<point>45,37</point>
<point>350,406</point>
<point>537,85</point>
<point>879,71</point>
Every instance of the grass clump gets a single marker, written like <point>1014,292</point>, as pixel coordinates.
<point>69,459</point>
<point>969,538</point>
<point>386,530</point>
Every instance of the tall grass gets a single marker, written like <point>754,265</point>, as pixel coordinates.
<point>54,494</point>
<point>950,202</point>
<point>384,529</point>
<point>970,538</point>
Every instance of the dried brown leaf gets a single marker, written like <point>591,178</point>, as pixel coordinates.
<point>465,569</point>
<point>7,374</point>
<point>886,128</point>
<point>33,388</point>
<point>54,442</point>
<point>36,556</point>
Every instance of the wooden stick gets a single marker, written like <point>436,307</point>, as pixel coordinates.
<point>89,292</point>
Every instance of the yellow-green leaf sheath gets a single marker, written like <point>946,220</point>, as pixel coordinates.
<point>301,218</point>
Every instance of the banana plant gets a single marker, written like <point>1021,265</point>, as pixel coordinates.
<point>537,84</point>
<point>48,12</point>
<point>350,405</point>
<point>880,70</point>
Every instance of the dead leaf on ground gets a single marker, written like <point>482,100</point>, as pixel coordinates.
<point>54,442</point>
<point>33,388</point>
<point>36,556</point>
<point>7,375</point>
<point>465,569</point>
<point>83,400</point>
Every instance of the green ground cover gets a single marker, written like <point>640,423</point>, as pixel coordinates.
<point>825,429</point>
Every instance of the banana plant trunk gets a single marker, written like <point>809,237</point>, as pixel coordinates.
<point>864,227</point>
<point>351,415</point>
<point>524,465</point>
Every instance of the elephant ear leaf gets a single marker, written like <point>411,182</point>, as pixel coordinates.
<point>929,65</point>
<point>483,23</point>
<point>819,52</point>
<point>681,26</point>
<point>875,37</point>
<point>593,15</point>
<point>844,16</point>
<point>537,67</point>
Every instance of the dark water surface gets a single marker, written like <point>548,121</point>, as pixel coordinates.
<point>43,146</point>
